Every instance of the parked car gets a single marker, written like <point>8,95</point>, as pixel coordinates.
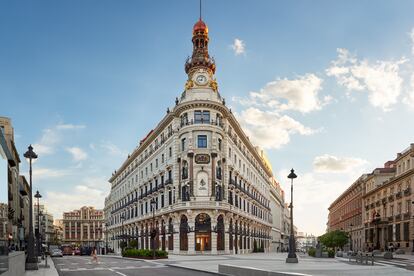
<point>86,251</point>
<point>56,253</point>
<point>77,251</point>
<point>67,250</point>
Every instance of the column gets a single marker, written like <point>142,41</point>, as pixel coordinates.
<point>70,230</point>
<point>213,237</point>
<point>179,177</point>
<point>213,174</point>
<point>191,244</point>
<point>226,238</point>
<point>176,237</point>
<point>191,156</point>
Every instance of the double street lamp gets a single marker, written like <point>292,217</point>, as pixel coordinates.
<point>38,196</point>
<point>31,261</point>
<point>292,258</point>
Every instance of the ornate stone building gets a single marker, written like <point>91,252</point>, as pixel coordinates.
<point>388,215</point>
<point>209,186</point>
<point>83,227</point>
<point>378,207</point>
<point>345,213</point>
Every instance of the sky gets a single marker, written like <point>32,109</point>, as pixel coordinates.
<point>325,87</point>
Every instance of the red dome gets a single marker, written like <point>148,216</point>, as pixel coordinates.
<point>200,26</point>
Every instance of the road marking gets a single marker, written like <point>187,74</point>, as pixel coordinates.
<point>122,274</point>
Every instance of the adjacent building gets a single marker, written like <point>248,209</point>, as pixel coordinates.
<point>377,209</point>
<point>17,209</point>
<point>196,180</point>
<point>83,227</point>
<point>43,220</point>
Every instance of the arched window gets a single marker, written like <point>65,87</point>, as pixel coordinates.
<point>183,233</point>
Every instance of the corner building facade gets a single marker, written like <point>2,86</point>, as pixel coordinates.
<point>209,185</point>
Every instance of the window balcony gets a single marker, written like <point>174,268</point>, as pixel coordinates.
<point>407,191</point>
<point>398,217</point>
<point>406,216</point>
<point>384,200</point>
<point>398,195</point>
<point>391,198</point>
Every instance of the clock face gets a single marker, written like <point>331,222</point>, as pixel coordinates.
<point>201,80</point>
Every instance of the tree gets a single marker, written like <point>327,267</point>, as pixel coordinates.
<point>334,239</point>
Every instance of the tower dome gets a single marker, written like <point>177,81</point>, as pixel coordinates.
<point>200,26</point>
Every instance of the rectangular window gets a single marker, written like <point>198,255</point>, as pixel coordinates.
<point>169,197</point>
<point>162,158</point>
<point>219,144</point>
<point>162,201</point>
<point>170,152</point>
<point>156,163</point>
<point>202,141</point>
<point>201,117</point>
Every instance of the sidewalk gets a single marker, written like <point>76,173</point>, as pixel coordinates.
<point>51,271</point>
<point>277,262</point>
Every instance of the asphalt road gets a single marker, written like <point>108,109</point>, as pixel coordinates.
<point>83,266</point>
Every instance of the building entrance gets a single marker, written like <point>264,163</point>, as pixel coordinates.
<point>202,232</point>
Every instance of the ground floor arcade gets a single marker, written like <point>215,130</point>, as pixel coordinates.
<point>195,232</point>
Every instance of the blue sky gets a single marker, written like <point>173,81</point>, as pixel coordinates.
<point>327,86</point>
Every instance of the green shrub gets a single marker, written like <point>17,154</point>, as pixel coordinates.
<point>331,253</point>
<point>132,252</point>
<point>312,252</point>
<point>133,244</point>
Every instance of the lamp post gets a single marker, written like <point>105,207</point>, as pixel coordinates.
<point>292,258</point>
<point>154,231</point>
<point>31,261</point>
<point>38,196</point>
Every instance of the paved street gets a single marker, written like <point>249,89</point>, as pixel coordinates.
<point>76,265</point>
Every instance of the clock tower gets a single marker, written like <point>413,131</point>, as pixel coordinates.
<point>200,67</point>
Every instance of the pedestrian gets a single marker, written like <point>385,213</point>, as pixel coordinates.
<point>94,255</point>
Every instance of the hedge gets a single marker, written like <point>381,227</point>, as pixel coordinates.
<point>144,253</point>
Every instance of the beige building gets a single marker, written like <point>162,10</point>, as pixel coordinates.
<point>388,205</point>
<point>17,196</point>
<point>58,232</point>
<point>83,227</point>
<point>277,206</point>
<point>46,223</point>
<point>209,185</point>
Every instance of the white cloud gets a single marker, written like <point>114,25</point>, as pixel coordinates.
<point>269,129</point>
<point>412,40</point>
<point>409,97</point>
<point>91,192</point>
<point>330,163</point>
<point>45,173</point>
<point>51,137</point>
<point>381,79</point>
<point>77,153</point>
<point>113,149</point>
<point>238,47</point>
<point>300,94</point>
<point>69,126</point>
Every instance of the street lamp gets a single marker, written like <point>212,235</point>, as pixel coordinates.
<point>31,261</point>
<point>292,258</point>
<point>38,196</point>
<point>154,231</point>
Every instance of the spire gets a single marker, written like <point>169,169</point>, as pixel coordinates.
<point>200,57</point>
